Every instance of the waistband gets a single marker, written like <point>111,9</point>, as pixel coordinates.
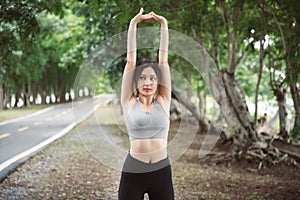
<point>133,165</point>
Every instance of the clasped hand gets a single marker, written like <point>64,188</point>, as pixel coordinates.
<point>148,17</point>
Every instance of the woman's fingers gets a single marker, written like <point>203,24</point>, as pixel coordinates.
<point>156,17</point>
<point>154,14</point>
<point>138,17</point>
<point>141,11</point>
<point>147,17</point>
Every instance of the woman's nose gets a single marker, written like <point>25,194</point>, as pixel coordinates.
<point>147,82</point>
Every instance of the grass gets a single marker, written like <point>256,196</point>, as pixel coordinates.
<point>20,112</point>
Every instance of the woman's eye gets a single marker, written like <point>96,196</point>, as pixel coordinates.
<point>153,79</point>
<point>142,78</point>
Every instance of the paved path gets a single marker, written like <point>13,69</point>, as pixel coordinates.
<point>21,138</point>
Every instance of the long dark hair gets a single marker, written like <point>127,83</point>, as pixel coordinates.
<point>139,69</point>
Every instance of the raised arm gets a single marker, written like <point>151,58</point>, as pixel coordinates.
<point>165,84</point>
<point>128,74</point>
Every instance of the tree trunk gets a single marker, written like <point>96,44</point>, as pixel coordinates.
<point>233,105</point>
<point>43,96</point>
<point>280,97</point>
<point>294,90</point>
<point>226,91</point>
<point>26,94</point>
<point>42,91</point>
<point>203,122</point>
<point>62,93</point>
<point>7,97</point>
<point>261,64</point>
<point>17,96</point>
<point>34,94</point>
<point>291,70</point>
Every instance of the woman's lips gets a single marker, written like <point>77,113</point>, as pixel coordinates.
<point>146,89</point>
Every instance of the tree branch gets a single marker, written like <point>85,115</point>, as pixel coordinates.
<point>241,59</point>
<point>215,39</point>
<point>225,19</point>
<point>231,64</point>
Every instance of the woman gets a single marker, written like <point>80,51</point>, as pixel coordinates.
<point>145,99</point>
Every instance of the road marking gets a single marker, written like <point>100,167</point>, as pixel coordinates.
<point>8,163</point>
<point>4,135</point>
<point>23,128</point>
<point>30,151</point>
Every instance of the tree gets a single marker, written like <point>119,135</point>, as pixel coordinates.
<point>60,40</point>
<point>287,17</point>
<point>223,29</point>
<point>19,27</point>
<point>45,60</point>
<point>283,62</point>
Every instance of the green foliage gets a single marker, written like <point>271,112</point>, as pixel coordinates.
<point>19,21</point>
<point>104,85</point>
<point>21,58</point>
<point>44,43</point>
<point>295,132</point>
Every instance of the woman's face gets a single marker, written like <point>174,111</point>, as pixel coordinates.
<point>147,82</point>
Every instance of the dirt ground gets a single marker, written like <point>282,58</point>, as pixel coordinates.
<point>66,170</point>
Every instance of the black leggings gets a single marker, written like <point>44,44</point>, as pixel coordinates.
<point>153,178</point>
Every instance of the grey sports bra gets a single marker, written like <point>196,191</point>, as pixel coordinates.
<point>142,125</point>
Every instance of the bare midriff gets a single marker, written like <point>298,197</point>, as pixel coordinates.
<point>148,150</point>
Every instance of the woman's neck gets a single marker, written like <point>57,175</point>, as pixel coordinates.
<point>146,100</point>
